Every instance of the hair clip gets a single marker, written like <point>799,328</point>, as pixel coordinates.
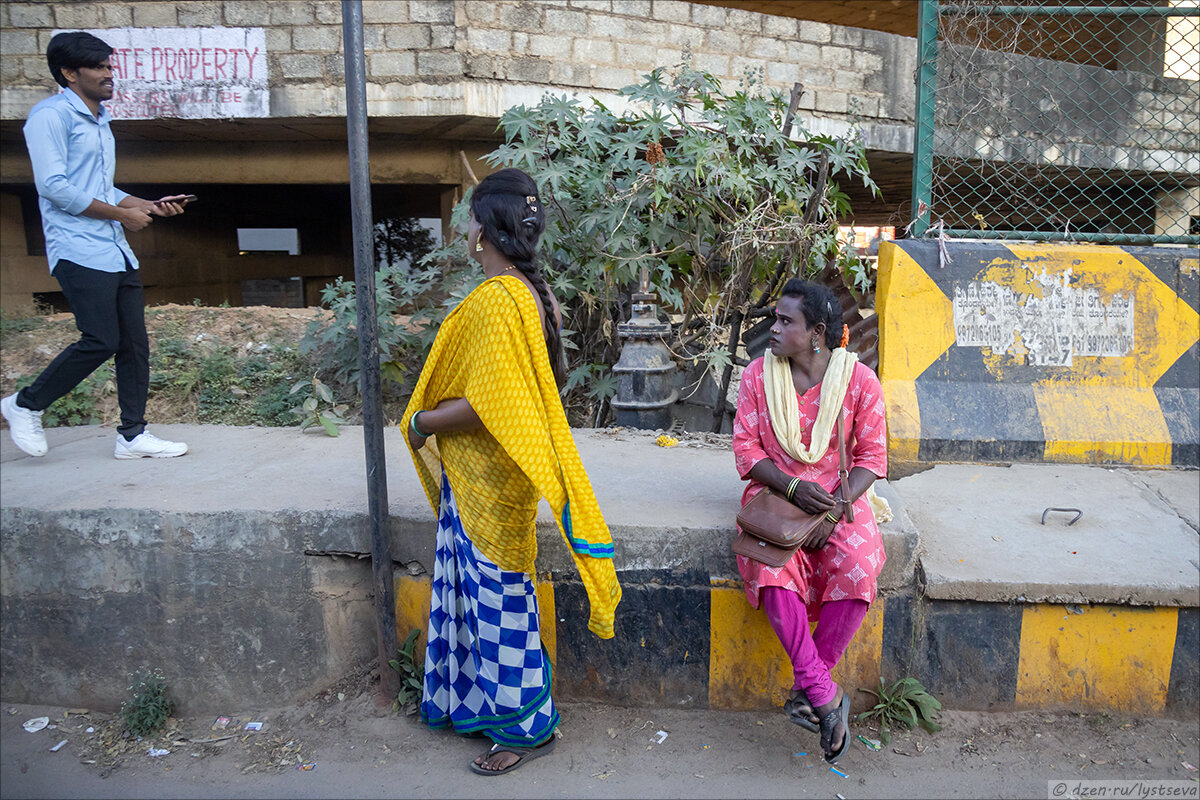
<point>531,200</point>
<point>530,221</point>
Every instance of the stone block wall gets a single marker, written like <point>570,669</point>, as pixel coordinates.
<point>588,46</point>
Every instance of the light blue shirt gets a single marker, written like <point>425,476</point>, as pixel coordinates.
<point>74,161</point>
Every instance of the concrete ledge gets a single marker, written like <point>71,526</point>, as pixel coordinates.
<point>982,537</point>
<point>238,570</point>
<point>238,567</point>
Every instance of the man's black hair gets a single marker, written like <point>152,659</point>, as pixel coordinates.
<point>74,50</point>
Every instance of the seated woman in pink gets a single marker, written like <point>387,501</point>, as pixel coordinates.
<point>785,438</point>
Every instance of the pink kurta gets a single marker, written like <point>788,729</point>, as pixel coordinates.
<point>850,562</point>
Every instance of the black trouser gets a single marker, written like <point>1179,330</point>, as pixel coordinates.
<point>111,317</point>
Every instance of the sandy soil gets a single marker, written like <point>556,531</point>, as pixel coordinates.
<point>361,748</point>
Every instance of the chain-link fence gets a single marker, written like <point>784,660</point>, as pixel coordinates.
<point>1069,120</point>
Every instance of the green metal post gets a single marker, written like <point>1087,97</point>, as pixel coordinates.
<point>922,184</point>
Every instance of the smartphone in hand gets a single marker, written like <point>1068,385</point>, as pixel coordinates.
<point>182,199</point>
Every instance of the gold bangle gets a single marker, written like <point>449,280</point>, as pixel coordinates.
<point>791,489</point>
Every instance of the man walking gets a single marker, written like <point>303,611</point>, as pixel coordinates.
<point>73,152</point>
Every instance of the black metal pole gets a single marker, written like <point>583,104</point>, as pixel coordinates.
<point>368,339</point>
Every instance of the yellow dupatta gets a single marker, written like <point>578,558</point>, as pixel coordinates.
<point>784,410</point>
<point>491,350</point>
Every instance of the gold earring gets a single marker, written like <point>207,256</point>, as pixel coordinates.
<point>479,245</point>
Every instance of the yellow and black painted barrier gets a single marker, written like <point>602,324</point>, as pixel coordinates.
<point>995,351</point>
<point>684,639</point>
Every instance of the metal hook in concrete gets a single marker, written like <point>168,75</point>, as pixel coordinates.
<point>1078,514</point>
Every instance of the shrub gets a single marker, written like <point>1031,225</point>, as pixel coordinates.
<point>80,406</point>
<point>905,704</point>
<point>148,707</point>
<point>412,672</point>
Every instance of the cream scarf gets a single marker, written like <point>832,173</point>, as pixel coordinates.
<point>784,411</point>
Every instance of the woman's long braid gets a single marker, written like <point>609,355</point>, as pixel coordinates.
<point>553,338</point>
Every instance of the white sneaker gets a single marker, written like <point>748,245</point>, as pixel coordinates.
<point>147,445</point>
<point>24,426</point>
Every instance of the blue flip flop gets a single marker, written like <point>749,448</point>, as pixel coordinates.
<point>829,725</point>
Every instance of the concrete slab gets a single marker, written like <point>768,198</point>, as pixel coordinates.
<point>1176,488</point>
<point>667,507</point>
<point>982,537</point>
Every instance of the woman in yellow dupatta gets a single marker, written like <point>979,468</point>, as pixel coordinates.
<point>489,438</point>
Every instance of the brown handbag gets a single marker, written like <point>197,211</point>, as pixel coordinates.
<point>772,528</point>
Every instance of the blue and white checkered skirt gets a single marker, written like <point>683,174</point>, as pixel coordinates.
<point>485,667</point>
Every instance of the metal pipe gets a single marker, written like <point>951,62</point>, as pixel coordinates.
<point>368,341</point>
<point>1057,236</point>
<point>1075,11</point>
<point>926,78</point>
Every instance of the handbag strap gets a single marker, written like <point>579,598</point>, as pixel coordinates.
<point>843,472</point>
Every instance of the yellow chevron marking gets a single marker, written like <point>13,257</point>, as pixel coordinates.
<point>1092,424</point>
<point>916,318</point>
<point>1109,657</point>
<point>1165,326</point>
<point>860,665</point>
<point>412,609</point>
<point>903,420</point>
<point>748,667</point>
<point>548,620</point>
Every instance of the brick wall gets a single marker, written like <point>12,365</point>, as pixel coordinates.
<point>411,45</point>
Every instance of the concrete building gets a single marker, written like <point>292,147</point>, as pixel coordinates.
<point>440,73</point>
<point>256,128</point>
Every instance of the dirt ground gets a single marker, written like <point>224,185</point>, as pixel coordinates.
<point>359,747</point>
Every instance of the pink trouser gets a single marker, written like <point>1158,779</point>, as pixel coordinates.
<point>813,654</point>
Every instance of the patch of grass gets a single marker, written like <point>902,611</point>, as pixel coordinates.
<point>19,323</point>
<point>230,385</point>
<point>222,366</point>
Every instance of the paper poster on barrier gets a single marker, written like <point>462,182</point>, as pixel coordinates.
<point>187,73</point>
<point>1065,321</point>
